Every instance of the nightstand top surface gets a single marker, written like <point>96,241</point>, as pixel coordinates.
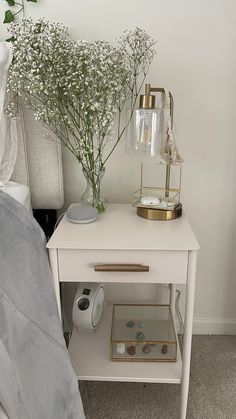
<point>120,228</point>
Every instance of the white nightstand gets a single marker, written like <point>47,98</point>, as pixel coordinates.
<point>120,237</point>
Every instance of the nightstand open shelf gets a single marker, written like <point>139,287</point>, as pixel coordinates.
<point>90,357</point>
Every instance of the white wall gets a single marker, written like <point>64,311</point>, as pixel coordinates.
<point>197,61</point>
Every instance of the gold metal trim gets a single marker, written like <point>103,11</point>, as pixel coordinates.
<point>147,102</point>
<point>157,189</point>
<point>159,214</point>
<point>122,267</point>
<point>167,185</point>
<point>145,341</point>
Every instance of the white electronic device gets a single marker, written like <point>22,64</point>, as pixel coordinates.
<point>88,306</point>
<point>150,200</point>
<point>81,214</point>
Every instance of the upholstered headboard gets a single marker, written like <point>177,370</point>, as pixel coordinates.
<point>39,163</point>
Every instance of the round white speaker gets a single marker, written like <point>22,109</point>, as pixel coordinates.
<point>88,306</point>
<point>81,214</point>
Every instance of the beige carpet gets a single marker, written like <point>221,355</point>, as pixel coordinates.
<point>212,389</point>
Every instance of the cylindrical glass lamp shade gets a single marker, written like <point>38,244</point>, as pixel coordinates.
<point>143,131</point>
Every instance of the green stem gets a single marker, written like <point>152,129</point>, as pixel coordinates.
<point>93,178</point>
<point>18,11</point>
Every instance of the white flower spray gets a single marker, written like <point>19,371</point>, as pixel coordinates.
<point>77,89</point>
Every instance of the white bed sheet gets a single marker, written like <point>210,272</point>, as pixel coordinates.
<point>20,192</point>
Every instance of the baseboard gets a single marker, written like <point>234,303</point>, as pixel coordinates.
<point>213,326</point>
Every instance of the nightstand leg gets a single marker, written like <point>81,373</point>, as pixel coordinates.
<point>188,323</point>
<point>54,269</point>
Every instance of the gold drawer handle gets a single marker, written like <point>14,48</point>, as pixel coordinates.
<point>122,267</point>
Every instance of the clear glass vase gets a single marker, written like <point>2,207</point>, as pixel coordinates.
<point>92,195</point>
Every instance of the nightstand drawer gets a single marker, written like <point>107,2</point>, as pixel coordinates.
<point>163,266</point>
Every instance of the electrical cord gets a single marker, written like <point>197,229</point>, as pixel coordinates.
<point>179,315</point>
<point>58,220</point>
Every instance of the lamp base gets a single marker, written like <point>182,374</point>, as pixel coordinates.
<point>159,214</point>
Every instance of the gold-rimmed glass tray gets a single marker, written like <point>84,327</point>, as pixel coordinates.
<point>143,333</point>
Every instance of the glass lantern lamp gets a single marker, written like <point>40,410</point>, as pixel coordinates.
<point>150,133</point>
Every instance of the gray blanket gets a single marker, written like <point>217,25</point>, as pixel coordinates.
<point>36,377</point>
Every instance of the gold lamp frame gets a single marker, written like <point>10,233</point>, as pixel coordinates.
<point>147,101</point>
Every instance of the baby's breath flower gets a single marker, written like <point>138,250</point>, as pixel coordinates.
<point>77,88</point>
